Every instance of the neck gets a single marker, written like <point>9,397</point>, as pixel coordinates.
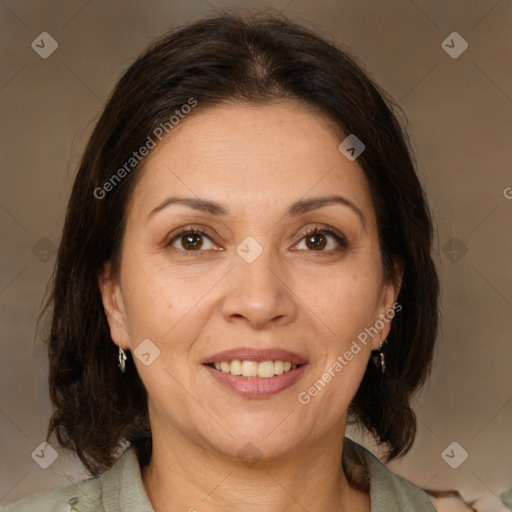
<point>190,475</point>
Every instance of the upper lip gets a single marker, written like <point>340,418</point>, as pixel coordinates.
<point>258,355</point>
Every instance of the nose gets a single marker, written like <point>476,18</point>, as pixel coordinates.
<point>259,293</point>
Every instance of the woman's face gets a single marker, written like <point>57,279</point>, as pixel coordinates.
<point>256,287</point>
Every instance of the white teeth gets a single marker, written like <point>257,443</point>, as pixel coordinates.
<point>278,367</point>
<point>263,370</point>
<point>236,367</point>
<point>266,369</point>
<point>249,369</point>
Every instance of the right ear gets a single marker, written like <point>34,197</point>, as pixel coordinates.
<point>113,305</point>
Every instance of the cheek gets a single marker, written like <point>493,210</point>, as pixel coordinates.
<point>159,304</point>
<point>345,302</point>
<point>150,301</point>
<point>154,310</point>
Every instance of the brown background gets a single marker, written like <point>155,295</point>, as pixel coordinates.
<point>460,120</point>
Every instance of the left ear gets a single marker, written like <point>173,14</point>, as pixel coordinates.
<point>388,306</point>
<point>113,305</point>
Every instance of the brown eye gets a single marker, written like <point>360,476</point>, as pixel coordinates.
<point>191,240</point>
<point>322,240</point>
<point>316,241</point>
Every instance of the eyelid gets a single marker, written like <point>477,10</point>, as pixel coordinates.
<point>327,230</point>
<point>189,228</point>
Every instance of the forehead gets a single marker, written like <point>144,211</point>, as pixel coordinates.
<point>252,157</point>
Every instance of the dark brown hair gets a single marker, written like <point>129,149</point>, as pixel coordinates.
<point>250,59</point>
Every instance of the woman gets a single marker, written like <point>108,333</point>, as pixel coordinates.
<point>245,266</point>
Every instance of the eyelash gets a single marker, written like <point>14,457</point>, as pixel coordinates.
<point>342,241</point>
<point>340,238</point>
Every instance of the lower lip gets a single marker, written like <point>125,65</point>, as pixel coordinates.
<point>251,387</point>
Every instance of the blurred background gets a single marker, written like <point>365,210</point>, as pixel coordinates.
<point>449,66</point>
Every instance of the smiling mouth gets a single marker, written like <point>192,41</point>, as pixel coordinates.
<point>254,369</point>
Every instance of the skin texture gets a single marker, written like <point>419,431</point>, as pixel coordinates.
<point>256,160</point>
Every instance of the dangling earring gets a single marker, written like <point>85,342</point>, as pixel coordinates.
<point>121,360</point>
<point>379,359</point>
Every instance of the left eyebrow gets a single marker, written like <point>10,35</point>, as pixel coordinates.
<point>307,205</point>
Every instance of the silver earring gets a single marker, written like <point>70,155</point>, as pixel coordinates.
<point>121,360</point>
<point>379,359</point>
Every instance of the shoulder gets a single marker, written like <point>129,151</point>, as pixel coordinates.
<point>118,489</point>
<point>65,499</point>
<point>389,491</point>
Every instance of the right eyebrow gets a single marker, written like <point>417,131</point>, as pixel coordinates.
<point>201,205</point>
